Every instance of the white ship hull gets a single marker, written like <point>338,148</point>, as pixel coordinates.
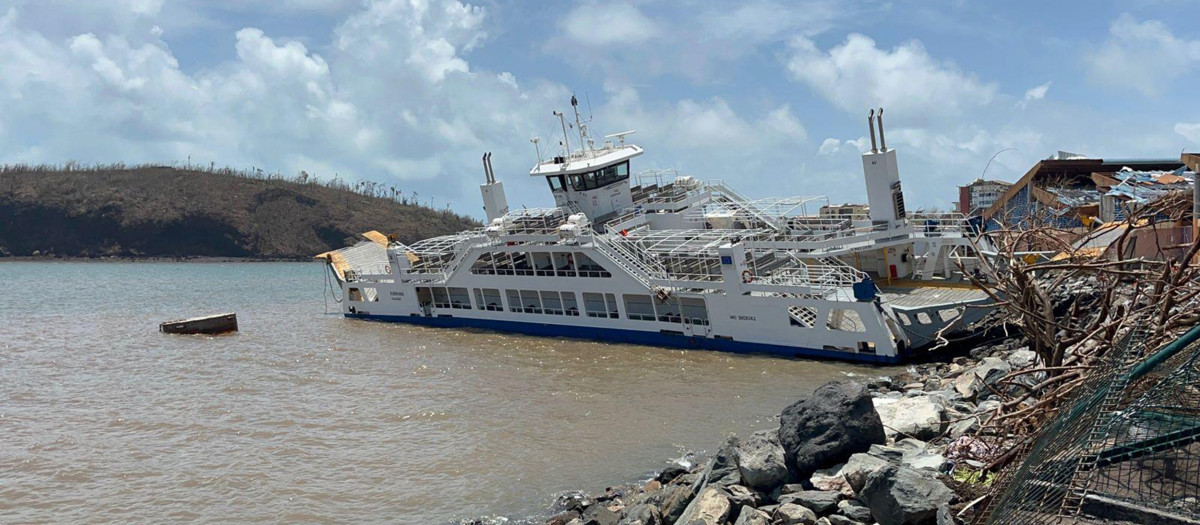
<point>679,263</point>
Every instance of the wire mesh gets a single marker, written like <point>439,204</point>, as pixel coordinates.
<point>1131,435</point>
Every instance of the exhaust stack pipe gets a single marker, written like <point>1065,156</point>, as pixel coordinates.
<point>487,175</point>
<point>871,124</point>
<point>882,142</point>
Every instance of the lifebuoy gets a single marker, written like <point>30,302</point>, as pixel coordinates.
<point>387,268</point>
<point>747,276</point>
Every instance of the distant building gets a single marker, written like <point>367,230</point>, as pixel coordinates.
<point>844,211</point>
<point>1063,190</point>
<point>980,195</point>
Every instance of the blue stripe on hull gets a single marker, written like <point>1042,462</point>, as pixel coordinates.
<point>617,335</point>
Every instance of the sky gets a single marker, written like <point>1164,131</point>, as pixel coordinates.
<point>770,96</point>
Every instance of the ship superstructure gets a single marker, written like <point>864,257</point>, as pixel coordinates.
<point>666,259</point>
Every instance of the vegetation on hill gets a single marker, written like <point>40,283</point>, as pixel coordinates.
<point>165,211</point>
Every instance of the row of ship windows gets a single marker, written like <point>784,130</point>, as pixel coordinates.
<point>637,307</point>
<point>542,264</point>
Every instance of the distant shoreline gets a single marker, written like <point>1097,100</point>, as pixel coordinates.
<point>151,259</point>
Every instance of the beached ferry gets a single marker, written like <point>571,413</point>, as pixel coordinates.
<point>665,259</point>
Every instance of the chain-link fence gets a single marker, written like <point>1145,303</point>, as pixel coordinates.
<point>1128,444</point>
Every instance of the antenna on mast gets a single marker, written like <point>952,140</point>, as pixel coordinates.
<point>535,141</point>
<point>585,142</point>
<point>566,141</point>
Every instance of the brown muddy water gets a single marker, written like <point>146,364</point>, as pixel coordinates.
<point>304,416</point>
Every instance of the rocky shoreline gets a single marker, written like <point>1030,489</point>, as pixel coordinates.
<point>890,450</point>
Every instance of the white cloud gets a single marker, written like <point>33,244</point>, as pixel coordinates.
<point>829,146</point>
<point>1191,132</point>
<point>632,41</point>
<point>907,81</point>
<point>608,24</point>
<point>1142,56</point>
<point>1037,92</point>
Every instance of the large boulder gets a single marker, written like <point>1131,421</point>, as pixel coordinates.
<point>920,417</point>
<point>837,420</point>
<point>793,514</point>
<point>751,516</point>
<point>819,501</point>
<point>900,495</point>
<point>761,461</point>
<point>641,514</point>
<point>724,470</point>
<point>600,515</point>
<point>674,501</point>
<point>711,507</point>
<point>854,510</point>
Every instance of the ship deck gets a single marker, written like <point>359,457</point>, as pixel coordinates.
<point>912,297</point>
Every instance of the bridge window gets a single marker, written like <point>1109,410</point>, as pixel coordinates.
<point>599,178</point>
<point>557,182</point>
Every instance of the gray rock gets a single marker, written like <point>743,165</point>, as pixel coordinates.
<point>831,479</point>
<point>823,521</point>
<point>900,495</point>
<point>670,473</point>
<point>641,514</point>
<point>819,501</point>
<point>750,516</point>
<point>793,514</point>
<point>968,384</point>
<point>860,467</point>
<point>1022,358</point>
<point>891,454</point>
<point>600,515</point>
<point>563,518</point>
<point>923,459</point>
<point>854,510</point>
<point>760,459</point>
<point>836,421</point>
<point>989,367</point>
<point>711,507</point>
<point>740,496</point>
<point>835,519</point>
<point>787,488</point>
<point>725,468</point>
<point>920,417</point>
<point>675,500</point>
<point>963,426</point>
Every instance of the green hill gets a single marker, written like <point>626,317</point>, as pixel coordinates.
<point>162,211</point>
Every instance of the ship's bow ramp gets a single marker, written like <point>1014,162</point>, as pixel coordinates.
<point>923,311</point>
